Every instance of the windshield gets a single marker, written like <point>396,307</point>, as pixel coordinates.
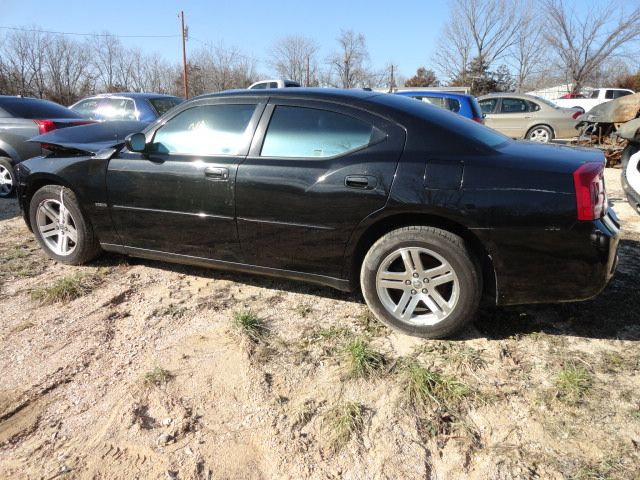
<point>163,104</point>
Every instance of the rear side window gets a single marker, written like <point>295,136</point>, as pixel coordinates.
<point>488,105</point>
<point>452,104</point>
<point>36,109</point>
<point>297,132</point>
<point>163,104</point>
<point>618,93</point>
<point>513,105</point>
<point>206,130</point>
<point>594,94</point>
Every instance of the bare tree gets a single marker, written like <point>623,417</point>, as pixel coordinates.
<point>584,39</point>
<point>483,30</point>
<point>349,64</point>
<point>67,65</point>
<point>218,67</point>
<point>528,52</point>
<point>295,58</point>
<point>107,54</point>
<point>454,52</point>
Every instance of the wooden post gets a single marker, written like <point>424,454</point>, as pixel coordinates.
<point>184,59</point>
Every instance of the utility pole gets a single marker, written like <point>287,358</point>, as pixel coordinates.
<point>184,58</point>
<point>307,71</point>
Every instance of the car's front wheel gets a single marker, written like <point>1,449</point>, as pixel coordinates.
<point>7,177</point>
<point>60,227</point>
<point>421,280</point>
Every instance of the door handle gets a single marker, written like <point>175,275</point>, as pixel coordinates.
<point>216,173</point>
<point>364,182</point>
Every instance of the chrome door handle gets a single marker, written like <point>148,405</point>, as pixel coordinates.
<point>216,173</point>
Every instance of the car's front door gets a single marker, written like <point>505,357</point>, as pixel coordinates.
<point>511,118</point>
<point>179,196</point>
<point>313,173</point>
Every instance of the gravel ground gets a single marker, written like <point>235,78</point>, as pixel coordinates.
<point>141,372</point>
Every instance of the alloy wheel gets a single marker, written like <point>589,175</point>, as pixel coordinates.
<point>57,227</point>
<point>417,286</point>
<point>539,135</point>
<point>6,181</point>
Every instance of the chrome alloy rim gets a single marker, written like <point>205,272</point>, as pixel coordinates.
<point>633,172</point>
<point>539,135</point>
<point>6,181</point>
<point>57,227</point>
<point>417,286</point>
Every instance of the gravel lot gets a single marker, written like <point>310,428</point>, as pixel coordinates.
<point>136,369</point>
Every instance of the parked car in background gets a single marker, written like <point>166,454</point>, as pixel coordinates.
<point>344,188</point>
<point>571,95</point>
<point>595,97</point>
<point>630,160</point>
<point>529,117</point>
<point>465,105</point>
<point>275,83</point>
<point>22,118</point>
<point>143,107</point>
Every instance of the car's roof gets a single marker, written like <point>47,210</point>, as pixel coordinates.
<point>433,93</point>
<point>131,95</point>
<point>310,93</point>
<point>510,95</point>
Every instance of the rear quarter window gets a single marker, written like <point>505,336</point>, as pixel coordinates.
<point>298,132</point>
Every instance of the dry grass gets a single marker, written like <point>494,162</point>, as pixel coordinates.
<point>157,377</point>
<point>342,423</point>
<point>362,361</point>
<point>248,325</point>
<point>66,289</point>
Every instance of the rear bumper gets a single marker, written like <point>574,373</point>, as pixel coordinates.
<point>557,266</point>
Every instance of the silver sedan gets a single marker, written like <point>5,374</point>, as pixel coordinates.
<point>526,116</point>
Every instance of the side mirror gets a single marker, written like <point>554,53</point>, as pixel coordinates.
<point>136,142</point>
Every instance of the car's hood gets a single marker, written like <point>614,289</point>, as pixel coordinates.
<point>89,138</point>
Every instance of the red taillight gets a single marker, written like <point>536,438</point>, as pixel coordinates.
<point>45,126</point>
<point>591,196</point>
<point>478,119</point>
<point>576,114</point>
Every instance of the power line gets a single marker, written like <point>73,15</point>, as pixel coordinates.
<point>86,34</point>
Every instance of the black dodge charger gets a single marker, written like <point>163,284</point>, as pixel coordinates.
<point>424,210</point>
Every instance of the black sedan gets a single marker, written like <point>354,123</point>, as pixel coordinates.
<point>423,209</point>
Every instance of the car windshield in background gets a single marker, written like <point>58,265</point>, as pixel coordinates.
<point>34,108</point>
<point>163,104</point>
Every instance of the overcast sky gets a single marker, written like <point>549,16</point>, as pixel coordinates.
<point>400,32</point>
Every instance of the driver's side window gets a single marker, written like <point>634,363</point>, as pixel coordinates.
<point>205,130</point>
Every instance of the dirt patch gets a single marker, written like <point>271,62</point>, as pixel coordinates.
<point>147,376</point>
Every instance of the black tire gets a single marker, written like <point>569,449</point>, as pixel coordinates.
<point>533,132</point>
<point>86,247</point>
<point>6,169</point>
<point>449,247</point>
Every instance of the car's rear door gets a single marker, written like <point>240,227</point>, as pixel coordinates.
<point>180,196</point>
<point>512,117</point>
<point>315,170</point>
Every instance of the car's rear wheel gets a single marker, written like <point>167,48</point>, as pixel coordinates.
<point>421,280</point>
<point>59,226</point>
<point>7,177</point>
<point>540,133</point>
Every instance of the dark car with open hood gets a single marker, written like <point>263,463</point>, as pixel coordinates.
<point>423,210</point>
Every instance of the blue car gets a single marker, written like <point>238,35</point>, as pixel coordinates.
<point>143,107</point>
<point>465,105</point>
